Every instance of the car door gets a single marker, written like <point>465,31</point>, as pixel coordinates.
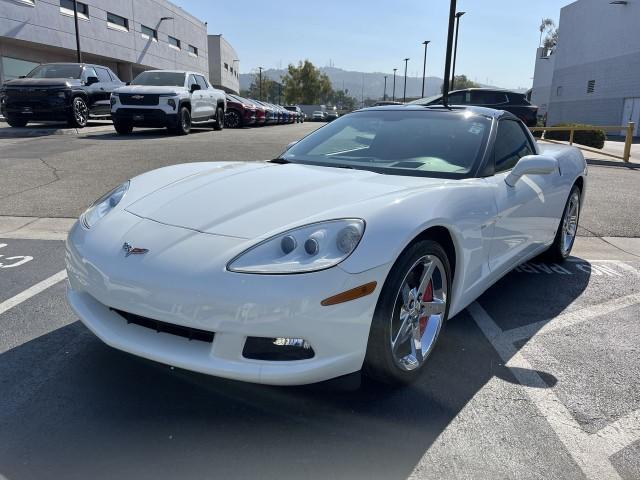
<point>209,103</point>
<point>196,99</point>
<point>104,87</point>
<point>94,94</point>
<point>527,213</point>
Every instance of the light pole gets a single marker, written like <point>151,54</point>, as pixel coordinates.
<point>75,19</point>
<point>424,65</point>
<point>404,95</point>
<point>384,95</point>
<point>447,58</point>
<point>455,50</point>
<point>394,84</point>
<point>260,81</point>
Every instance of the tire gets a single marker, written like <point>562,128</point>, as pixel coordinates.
<point>562,244</point>
<point>183,125</point>
<point>79,113</point>
<point>232,119</point>
<point>219,123</point>
<point>16,121</point>
<point>123,128</point>
<point>400,314</point>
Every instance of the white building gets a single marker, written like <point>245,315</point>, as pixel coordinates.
<point>224,65</point>
<point>595,68</point>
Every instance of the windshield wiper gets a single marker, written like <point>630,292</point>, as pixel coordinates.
<point>280,161</point>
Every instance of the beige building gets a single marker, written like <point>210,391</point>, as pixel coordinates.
<point>224,65</point>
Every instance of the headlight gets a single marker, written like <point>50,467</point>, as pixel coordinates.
<point>103,205</point>
<point>113,99</point>
<point>304,249</point>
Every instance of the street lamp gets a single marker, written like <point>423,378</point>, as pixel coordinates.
<point>424,65</point>
<point>404,95</point>
<point>384,95</point>
<point>394,84</point>
<point>447,58</point>
<point>260,81</point>
<point>455,50</point>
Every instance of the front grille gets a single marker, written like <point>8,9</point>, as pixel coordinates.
<point>31,92</point>
<point>164,327</point>
<point>140,99</point>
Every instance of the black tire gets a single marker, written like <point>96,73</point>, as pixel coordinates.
<point>561,247</point>
<point>219,123</point>
<point>232,119</point>
<point>183,122</point>
<point>381,363</point>
<point>17,121</point>
<point>123,128</point>
<point>79,113</point>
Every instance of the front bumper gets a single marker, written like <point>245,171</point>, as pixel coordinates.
<point>36,108</point>
<point>145,117</point>
<point>182,281</point>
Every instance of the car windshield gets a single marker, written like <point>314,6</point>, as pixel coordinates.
<point>426,100</point>
<point>411,142</point>
<point>56,71</point>
<point>160,79</point>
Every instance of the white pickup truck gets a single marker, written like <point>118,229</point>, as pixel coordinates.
<point>167,98</point>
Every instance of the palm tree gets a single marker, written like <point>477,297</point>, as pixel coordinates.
<point>546,24</point>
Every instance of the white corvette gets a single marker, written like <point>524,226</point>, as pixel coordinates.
<point>348,252</point>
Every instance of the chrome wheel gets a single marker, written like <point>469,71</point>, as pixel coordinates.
<point>570,222</point>
<point>418,312</point>
<point>80,112</point>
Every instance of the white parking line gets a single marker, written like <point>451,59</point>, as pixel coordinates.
<point>590,452</point>
<point>32,291</point>
<point>621,433</point>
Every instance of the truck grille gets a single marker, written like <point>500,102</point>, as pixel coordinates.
<point>164,327</point>
<point>138,99</point>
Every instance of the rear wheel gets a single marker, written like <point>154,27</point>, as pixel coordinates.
<point>219,123</point>
<point>79,113</point>
<point>411,310</point>
<point>16,121</point>
<point>232,119</point>
<point>567,230</point>
<point>122,127</point>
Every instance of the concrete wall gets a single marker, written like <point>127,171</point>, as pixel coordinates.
<point>224,64</point>
<point>49,34</point>
<point>542,80</point>
<point>598,41</point>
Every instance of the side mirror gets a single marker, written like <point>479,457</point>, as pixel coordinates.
<point>127,83</point>
<point>290,145</point>
<point>22,76</point>
<point>532,165</point>
<point>91,80</point>
<point>194,87</point>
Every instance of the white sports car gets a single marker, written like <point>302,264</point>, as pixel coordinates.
<point>347,252</point>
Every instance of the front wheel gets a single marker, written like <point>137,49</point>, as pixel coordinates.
<point>567,230</point>
<point>123,128</point>
<point>16,121</point>
<point>411,310</point>
<point>79,113</point>
<point>183,126</point>
<point>219,123</point>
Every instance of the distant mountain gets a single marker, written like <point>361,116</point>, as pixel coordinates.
<point>354,82</point>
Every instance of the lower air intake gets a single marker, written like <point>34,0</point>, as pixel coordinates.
<point>164,327</point>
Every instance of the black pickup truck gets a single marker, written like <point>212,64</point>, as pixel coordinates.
<point>70,92</point>
<point>499,99</point>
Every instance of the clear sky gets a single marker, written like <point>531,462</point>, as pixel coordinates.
<point>496,45</point>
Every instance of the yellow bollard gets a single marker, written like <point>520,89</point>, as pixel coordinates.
<point>627,142</point>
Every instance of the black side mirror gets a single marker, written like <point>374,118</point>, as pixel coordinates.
<point>127,83</point>
<point>22,76</point>
<point>91,80</point>
<point>195,87</point>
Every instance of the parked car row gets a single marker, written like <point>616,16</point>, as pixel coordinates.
<point>246,112</point>
<point>324,116</point>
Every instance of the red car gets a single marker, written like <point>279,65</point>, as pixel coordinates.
<point>240,112</point>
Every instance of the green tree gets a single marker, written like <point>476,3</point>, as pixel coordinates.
<point>546,25</point>
<point>462,82</point>
<point>305,84</point>
<point>269,89</point>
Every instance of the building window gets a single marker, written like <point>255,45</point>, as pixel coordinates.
<point>31,3</point>
<point>226,66</point>
<point>174,42</point>
<point>117,22</point>
<point>66,8</point>
<point>193,51</point>
<point>591,86</point>
<point>149,33</point>
<point>559,92</point>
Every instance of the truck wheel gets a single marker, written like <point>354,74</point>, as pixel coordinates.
<point>79,113</point>
<point>16,121</point>
<point>123,128</point>
<point>183,126</point>
<point>219,123</point>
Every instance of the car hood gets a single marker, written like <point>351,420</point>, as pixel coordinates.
<point>258,199</point>
<point>149,89</point>
<point>43,82</point>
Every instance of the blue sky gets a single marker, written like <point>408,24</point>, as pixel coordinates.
<point>497,39</point>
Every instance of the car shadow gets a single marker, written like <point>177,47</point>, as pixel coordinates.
<point>148,133</point>
<point>100,413</point>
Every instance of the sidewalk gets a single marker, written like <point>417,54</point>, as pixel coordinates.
<point>616,147</point>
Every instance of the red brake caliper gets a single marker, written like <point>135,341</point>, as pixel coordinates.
<point>427,297</point>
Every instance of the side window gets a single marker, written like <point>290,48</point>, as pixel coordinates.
<point>202,82</point>
<point>192,81</point>
<point>511,145</point>
<point>103,75</point>
<point>88,72</point>
<point>458,98</point>
<point>114,77</point>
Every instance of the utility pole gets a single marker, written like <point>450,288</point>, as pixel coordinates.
<point>394,84</point>
<point>455,50</point>
<point>384,95</point>
<point>260,81</point>
<point>75,19</point>
<point>447,59</point>
<point>404,95</point>
<point>424,65</point>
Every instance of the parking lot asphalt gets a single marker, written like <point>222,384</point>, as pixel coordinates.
<point>537,379</point>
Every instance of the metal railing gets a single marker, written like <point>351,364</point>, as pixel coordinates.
<point>628,137</point>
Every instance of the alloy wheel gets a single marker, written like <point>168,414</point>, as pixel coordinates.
<point>80,112</point>
<point>570,222</point>
<point>232,119</point>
